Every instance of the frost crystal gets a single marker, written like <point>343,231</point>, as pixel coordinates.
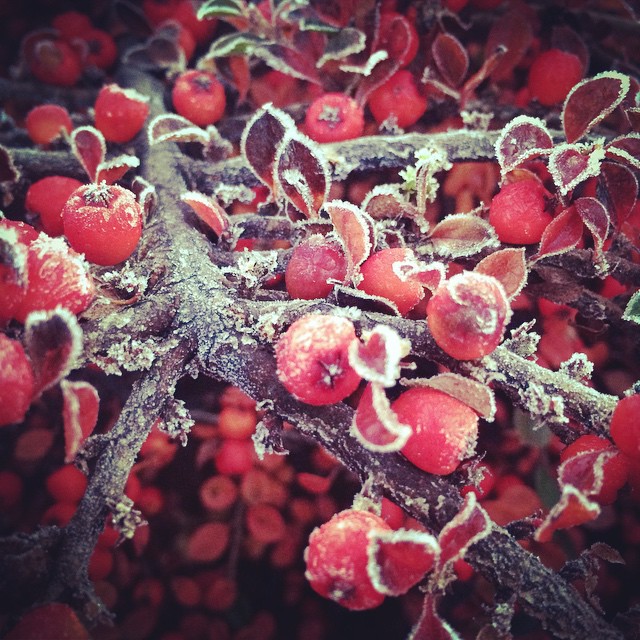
<point>127,280</point>
<point>578,366</point>
<point>125,518</point>
<point>177,421</point>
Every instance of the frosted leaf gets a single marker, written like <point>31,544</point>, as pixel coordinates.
<point>571,164</point>
<point>619,189</point>
<point>561,235</point>
<point>79,414</point>
<point>176,421</point>
<point>591,101</point>
<point>632,310</point>
<point>170,127</point>
<point>209,211</point>
<point>89,147</point>
<point>342,44</point>
<point>221,9</point>
<point>380,73</point>
<point>111,171</point>
<point>233,44</point>
<point>521,139</point>
<point>386,201</point>
<point>288,60</point>
<point>365,68</point>
<point>430,626</point>
<point>596,218</point>
<point>461,235</point>
<point>451,58</point>
<point>626,149</point>
<point>511,31</point>
<point>13,259</point>
<point>429,275</point>
<point>509,266</point>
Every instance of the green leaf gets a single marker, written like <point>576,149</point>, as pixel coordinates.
<point>222,9</point>
<point>233,44</point>
<point>632,312</point>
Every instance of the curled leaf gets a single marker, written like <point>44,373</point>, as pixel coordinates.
<point>428,275</point>
<point>386,201</point>
<point>509,266</point>
<point>430,626</point>
<point>596,218</point>
<point>112,170</point>
<point>89,146</point>
<point>521,139</point>
<point>170,127</point>
<point>208,210</point>
<point>571,164</point>
<point>342,44</point>
<point>461,235</point>
<point>79,414</point>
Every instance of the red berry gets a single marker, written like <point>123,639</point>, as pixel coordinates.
<point>53,620</point>
<point>158,11</point>
<point>16,381</point>
<point>337,559</point>
<point>444,429</point>
<point>625,426</point>
<point>235,457</point>
<point>237,423</point>
<point>102,49</point>
<point>72,24</point>
<point>467,315</point>
<point>54,62</point>
<point>120,113</point>
<point>11,489</point>
<point>333,117</point>
<point>67,484</point>
<point>393,37</point>
<point>615,470</point>
<point>313,359</point>
<point>104,222</point>
<point>47,197</point>
<point>379,279</point>
<point>199,97</point>
<point>57,276</point>
<point>552,75</point>
<point>47,122</point>
<point>202,30</point>
<point>518,214</point>
<point>399,97</point>
<point>312,263</point>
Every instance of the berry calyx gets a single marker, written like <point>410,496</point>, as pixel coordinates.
<point>104,222</point>
<point>47,122</point>
<point>445,429</point>
<point>552,75</point>
<point>467,315</point>
<point>333,117</point>
<point>336,559</point>
<point>313,359</point>
<point>399,98</point>
<point>625,426</point>
<point>120,113</point>
<point>199,96</point>
<point>313,262</point>
<point>16,381</point>
<point>518,212</point>
<point>47,197</point>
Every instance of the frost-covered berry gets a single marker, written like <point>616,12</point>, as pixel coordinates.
<point>104,222</point>
<point>444,429</point>
<point>625,426</point>
<point>467,315</point>
<point>120,113</point>
<point>313,359</point>
<point>199,96</point>
<point>16,381</point>
<point>337,559</point>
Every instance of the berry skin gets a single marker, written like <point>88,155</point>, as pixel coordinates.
<point>47,122</point>
<point>312,263</point>
<point>120,113</point>
<point>398,96</point>
<point>518,214</point>
<point>104,222</point>
<point>66,484</point>
<point>379,279</point>
<point>444,429</point>
<point>55,62</point>
<point>467,315</point>
<point>72,24</point>
<point>57,276</point>
<point>552,75</point>
<point>394,41</point>
<point>333,117</point>
<point>47,197</point>
<point>336,559</point>
<point>16,381</point>
<point>313,360</point>
<point>199,97</point>
<point>625,426</point>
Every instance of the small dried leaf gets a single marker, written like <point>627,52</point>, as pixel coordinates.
<point>572,509</point>
<point>160,52</point>
<point>399,559</point>
<point>511,31</point>
<point>521,139</point>
<point>571,164</point>
<point>377,358</point>
<point>509,266</point>
<point>626,149</point>
<point>261,138</point>
<point>208,210</point>
<point>461,235</point>
<point>489,64</point>
<point>169,127</point>
<point>619,188</point>
<point>145,194</point>
<point>89,146</point>
<point>79,414</point>
<point>112,170</point>
<point>451,58</point>
<point>302,174</point>
<point>355,231</point>
<point>592,100</point>
<point>53,340</point>
<point>596,218</point>
<point>342,44</point>
<point>375,425</point>
<point>561,235</point>
<point>472,393</point>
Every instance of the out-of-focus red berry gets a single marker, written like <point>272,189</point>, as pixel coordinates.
<point>47,197</point>
<point>47,122</point>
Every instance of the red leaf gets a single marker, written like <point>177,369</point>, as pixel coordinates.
<point>241,73</point>
<point>430,625</point>
<point>261,138</point>
<point>571,164</point>
<point>398,560</point>
<point>170,127</point>
<point>521,139</point>
<point>592,100</point>
<point>79,413</point>
<point>474,394</point>
<point>620,187</point>
<point>288,60</point>
<point>355,231</point>
<point>596,218</point>
<point>513,32</point>
<point>88,145</point>
<point>379,75</point>
<point>428,275</point>
<point>112,170</point>
<point>462,234</point>
<point>375,425</point>
<point>377,358</point>
<point>208,210</point>
<point>509,266</point>
<point>572,509</point>
<point>626,149</point>
<point>561,235</point>
<point>53,340</point>
<point>451,58</point>
<point>489,64</point>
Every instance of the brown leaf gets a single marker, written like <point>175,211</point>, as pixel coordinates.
<point>461,235</point>
<point>509,266</point>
